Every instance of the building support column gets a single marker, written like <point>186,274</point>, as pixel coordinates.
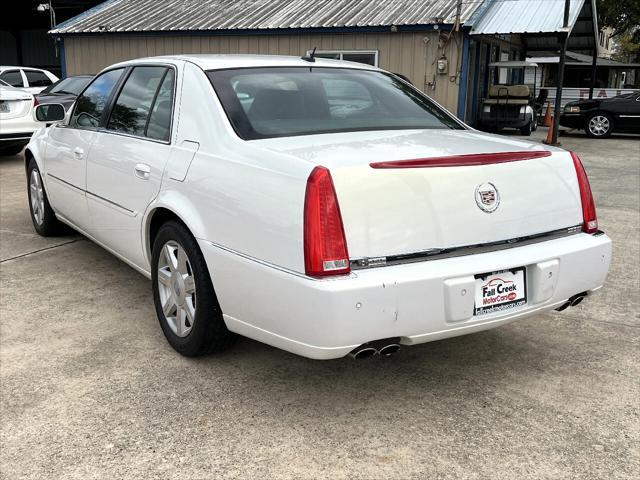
<point>63,59</point>
<point>594,64</point>
<point>464,77</point>
<point>563,39</point>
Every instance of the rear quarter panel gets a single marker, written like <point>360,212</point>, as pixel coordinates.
<point>235,195</point>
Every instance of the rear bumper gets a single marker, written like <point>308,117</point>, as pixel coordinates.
<point>417,302</point>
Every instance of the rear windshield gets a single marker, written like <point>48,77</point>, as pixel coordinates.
<point>73,85</point>
<point>279,102</point>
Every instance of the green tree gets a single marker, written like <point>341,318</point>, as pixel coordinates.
<point>627,48</point>
<point>621,15</point>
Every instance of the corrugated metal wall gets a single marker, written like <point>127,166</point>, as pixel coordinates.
<point>411,54</point>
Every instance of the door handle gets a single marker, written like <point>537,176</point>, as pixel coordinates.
<point>143,171</point>
<point>78,152</point>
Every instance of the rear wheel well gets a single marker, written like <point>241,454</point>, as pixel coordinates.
<point>159,217</point>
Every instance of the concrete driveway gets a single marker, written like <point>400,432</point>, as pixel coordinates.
<point>91,389</point>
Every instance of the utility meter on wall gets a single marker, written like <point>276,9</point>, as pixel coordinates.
<point>443,65</point>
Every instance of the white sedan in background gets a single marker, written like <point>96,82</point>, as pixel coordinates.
<point>33,80</point>
<point>17,122</point>
<point>319,206</point>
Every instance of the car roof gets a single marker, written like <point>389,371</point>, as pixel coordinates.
<point>217,62</point>
<point>12,67</point>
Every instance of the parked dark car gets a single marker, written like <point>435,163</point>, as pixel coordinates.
<point>64,91</point>
<point>601,117</point>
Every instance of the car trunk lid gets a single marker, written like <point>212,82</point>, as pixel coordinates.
<point>453,201</point>
<point>13,102</point>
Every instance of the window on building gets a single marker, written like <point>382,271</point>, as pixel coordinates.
<point>37,78</point>
<point>368,57</point>
<point>13,78</point>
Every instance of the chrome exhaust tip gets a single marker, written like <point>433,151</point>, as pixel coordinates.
<point>363,352</point>
<point>572,302</point>
<point>577,299</point>
<point>389,350</point>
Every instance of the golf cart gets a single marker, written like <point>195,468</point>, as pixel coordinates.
<point>511,103</point>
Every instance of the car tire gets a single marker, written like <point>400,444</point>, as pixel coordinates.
<point>183,294</point>
<point>42,216</point>
<point>599,125</point>
<point>527,129</point>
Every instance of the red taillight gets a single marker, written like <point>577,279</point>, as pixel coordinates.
<point>325,246</point>
<point>35,101</point>
<point>589,218</point>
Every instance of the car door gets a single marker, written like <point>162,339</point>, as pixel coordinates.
<point>69,144</point>
<point>622,109</point>
<point>630,114</point>
<point>125,167</point>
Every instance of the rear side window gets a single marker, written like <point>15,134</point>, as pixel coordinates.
<point>91,104</point>
<point>37,79</point>
<point>159,126</point>
<point>133,107</point>
<point>13,78</point>
<point>278,102</point>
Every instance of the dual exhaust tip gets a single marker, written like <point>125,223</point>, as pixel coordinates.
<point>380,347</point>
<point>572,302</point>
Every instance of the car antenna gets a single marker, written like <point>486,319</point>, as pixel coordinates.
<point>310,58</point>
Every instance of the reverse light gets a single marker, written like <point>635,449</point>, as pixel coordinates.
<point>572,109</point>
<point>589,218</point>
<point>325,245</point>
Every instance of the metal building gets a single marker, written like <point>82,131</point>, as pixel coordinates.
<point>443,46</point>
<point>404,36</point>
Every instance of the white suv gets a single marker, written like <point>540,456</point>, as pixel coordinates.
<point>33,80</point>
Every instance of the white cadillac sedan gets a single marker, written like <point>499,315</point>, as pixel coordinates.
<point>323,207</point>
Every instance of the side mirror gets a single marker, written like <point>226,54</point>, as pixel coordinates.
<point>50,112</point>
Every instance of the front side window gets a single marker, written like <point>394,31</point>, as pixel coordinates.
<point>13,78</point>
<point>276,102</point>
<point>37,78</point>
<point>131,112</point>
<point>91,105</point>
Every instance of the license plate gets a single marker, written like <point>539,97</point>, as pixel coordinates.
<point>500,291</point>
<point>4,107</point>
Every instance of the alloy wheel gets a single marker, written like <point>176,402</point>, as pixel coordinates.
<point>36,196</point>
<point>177,289</point>
<point>599,125</point>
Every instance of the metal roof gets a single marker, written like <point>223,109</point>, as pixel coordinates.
<point>202,15</point>
<point>525,16</point>
<point>535,18</point>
